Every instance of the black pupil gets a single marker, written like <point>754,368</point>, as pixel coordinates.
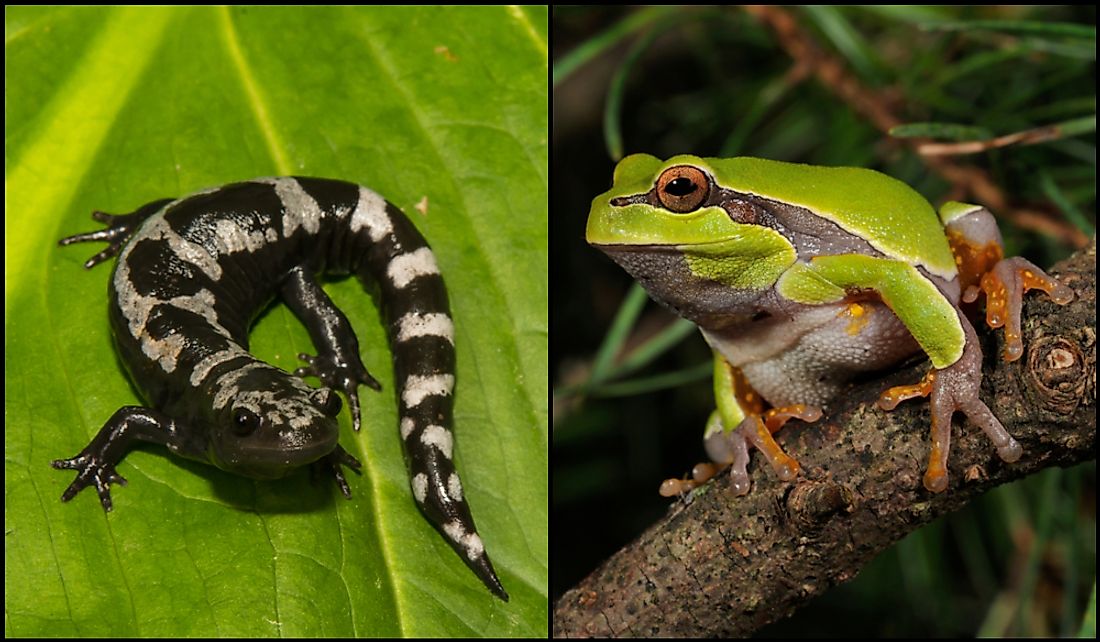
<point>681,186</point>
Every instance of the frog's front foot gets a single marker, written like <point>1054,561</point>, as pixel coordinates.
<point>953,388</point>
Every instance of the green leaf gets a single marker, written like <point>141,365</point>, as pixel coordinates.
<point>111,107</point>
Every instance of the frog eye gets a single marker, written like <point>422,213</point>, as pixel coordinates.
<point>682,188</point>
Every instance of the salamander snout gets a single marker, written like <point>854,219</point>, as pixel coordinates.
<point>266,432</point>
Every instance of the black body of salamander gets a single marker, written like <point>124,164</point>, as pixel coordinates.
<point>191,276</point>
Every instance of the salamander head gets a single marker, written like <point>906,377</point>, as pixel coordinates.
<point>270,422</point>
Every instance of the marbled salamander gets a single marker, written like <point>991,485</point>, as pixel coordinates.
<point>191,276</point>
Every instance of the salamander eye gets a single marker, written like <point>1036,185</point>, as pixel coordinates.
<point>683,188</point>
<point>245,422</point>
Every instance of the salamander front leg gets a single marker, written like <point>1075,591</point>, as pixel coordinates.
<point>95,465</point>
<point>337,364</point>
<point>333,463</point>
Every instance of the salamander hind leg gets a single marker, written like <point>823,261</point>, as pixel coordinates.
<point>119,229</point>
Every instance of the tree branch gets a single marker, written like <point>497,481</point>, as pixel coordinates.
<point>859,492</point>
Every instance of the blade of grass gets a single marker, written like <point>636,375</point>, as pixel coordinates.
<point>1071,211</point>
<point>590,49</point>
<point>656,382</point>
<point>617,335</point>
<point>655,347</point>
<point>1071,30</point>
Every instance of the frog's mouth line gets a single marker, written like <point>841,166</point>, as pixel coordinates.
<point>629,247</point>
<point>659,247</point>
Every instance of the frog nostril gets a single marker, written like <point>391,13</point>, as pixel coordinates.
<point>623,201</point>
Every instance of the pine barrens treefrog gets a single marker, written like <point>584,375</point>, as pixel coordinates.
<point>801,277</point>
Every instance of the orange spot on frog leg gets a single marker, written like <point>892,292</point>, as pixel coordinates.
<point>858,318</point>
